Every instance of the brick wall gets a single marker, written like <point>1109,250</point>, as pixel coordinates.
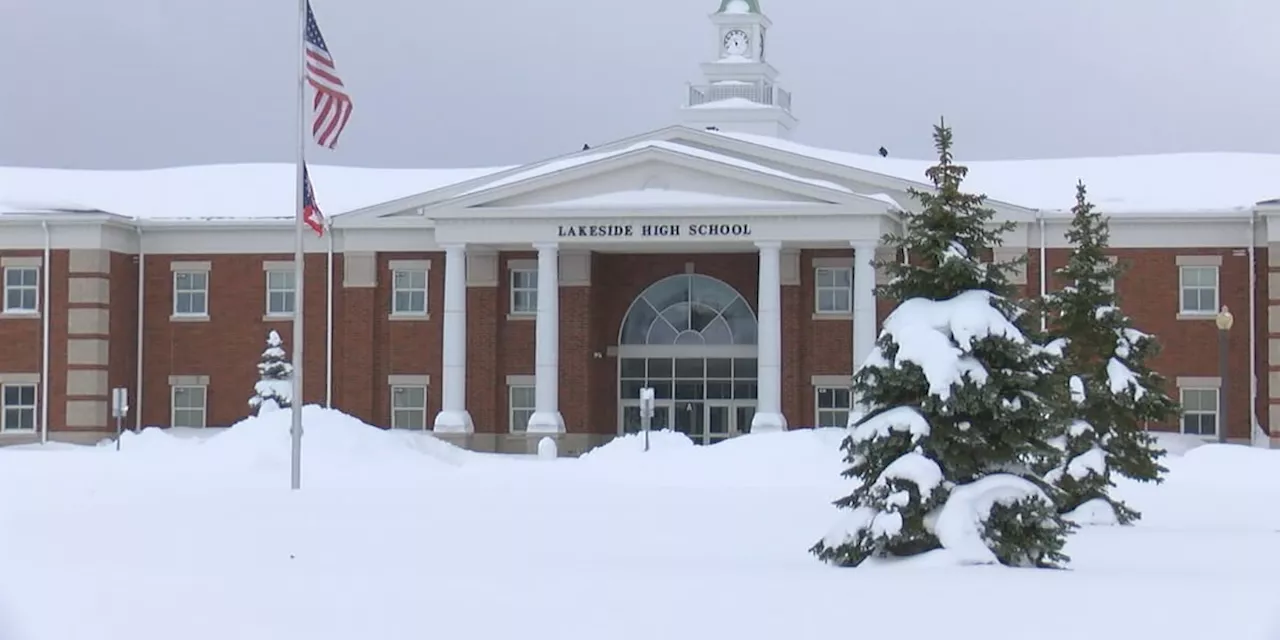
<point>1148,293</point>
<point>92,290</point>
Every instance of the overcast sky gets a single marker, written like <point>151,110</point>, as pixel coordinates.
<point>449,83</point>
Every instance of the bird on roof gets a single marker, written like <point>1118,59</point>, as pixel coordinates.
<point>884,153</point>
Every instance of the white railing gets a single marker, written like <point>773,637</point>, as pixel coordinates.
<point>764,93</point>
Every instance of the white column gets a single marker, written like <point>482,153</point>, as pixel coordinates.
<point>453,416</point>
<point>546,416</point>
<point>864,311</point>
<point>769,316</point>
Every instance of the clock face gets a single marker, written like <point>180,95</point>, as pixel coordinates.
<point>736,42</point>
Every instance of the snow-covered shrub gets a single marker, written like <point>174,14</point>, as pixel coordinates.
<point>274,389</point>
<point>1113,393</point>
<point>957,394</point>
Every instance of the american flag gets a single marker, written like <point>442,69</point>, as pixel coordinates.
<point>310,210</point>
<point>332,105</point>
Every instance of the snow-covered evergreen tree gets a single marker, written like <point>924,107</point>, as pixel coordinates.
<point>1113,391</point>
<point>956,394</point>
<point>274,389</point>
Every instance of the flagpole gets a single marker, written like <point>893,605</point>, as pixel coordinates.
<point>295,431</point>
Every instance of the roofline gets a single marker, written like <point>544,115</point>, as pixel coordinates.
<point>1158,214</point>
<point>842,169</point>
<point>458,188</point>
<point>625,158</point>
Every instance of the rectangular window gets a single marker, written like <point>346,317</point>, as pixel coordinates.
<point>1199,411</point>
<point>1198,290</point>
<point>21,289</point>
<point>833,290</point>
<point>189,403</point>
<point>409,292</point>
<point>1110,284</point>
<point>409,407</point>
<point>524,291</point>
<point>190,293</point>
<point>17,408</point>
<point>521,400</point>
<point>281,296</point>
<point>833,406</point>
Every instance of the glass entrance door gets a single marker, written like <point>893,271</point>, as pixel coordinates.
<point>691,419</point>
<point>708,399</point>
<point>719,421</point>
<point>631,417</point>
<point>704,421</point>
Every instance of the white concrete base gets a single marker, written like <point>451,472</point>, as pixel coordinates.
<point>547,449</point>
<point>453,422</point>
<point>768,423</point>
<point>546,422</point>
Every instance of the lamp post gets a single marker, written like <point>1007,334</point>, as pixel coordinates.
<point>1224,320</point>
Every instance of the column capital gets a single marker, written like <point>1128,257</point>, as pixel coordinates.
<point>769,244</point>
<point>864,243</point>
<point>454,246</point>
<point>546,246</point>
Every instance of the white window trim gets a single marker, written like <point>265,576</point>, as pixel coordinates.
<point>519,382</point>
<point>34,406</point>
<point>174,287</point>
<point>512,311</point>
<point>818,311</point>
<point>1199,262</point>
<point>408,383</point>
<point>293,290</point>
<point>204,404</point>
<point>1216,413</point>
<point>412,267</point>
<point>1110,284</point>
<point>19,311</point>
<point>817,409</point>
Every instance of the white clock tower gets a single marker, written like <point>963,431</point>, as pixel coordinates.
<point>739,92</point>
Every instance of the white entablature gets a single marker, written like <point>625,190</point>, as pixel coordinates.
<point>650,192</point>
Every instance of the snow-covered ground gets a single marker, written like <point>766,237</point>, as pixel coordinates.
<point>397,535</point>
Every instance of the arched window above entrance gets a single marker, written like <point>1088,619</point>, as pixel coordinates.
<point>689,309</point>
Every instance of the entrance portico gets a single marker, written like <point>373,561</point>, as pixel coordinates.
<point>654,198</point>
<point>713,354</point>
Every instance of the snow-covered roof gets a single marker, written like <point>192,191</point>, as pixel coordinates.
<point>227,191</point>
<point>1168,184</point>
<point>731,103</point>
<point>1165,183</point>
<point>580,159</point>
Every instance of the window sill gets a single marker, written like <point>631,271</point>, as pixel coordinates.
<point>409,317</point>
<point>1199,315</point>
<point>277,317</point>
<point>188,318</point>
<point>522,316</point>
<point>19,315</point>
<point>1208,439</point>
<point>833,316</point>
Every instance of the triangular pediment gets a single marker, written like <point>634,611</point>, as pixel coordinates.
<point>650,174</point>
<point>671,167</point>
<point>656,183</point>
